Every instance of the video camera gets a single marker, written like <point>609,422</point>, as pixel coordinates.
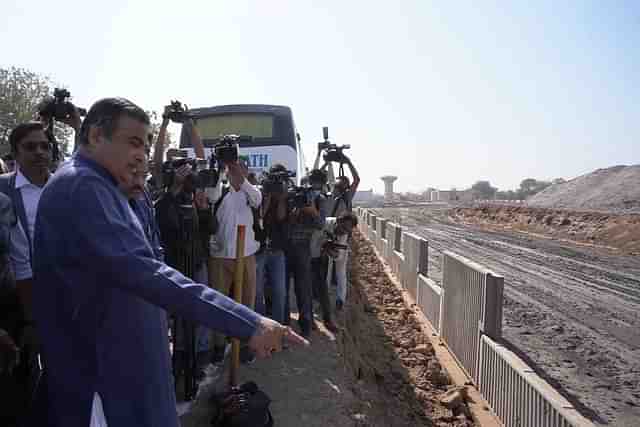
<point>333,152</point>
<point>277,182</point>
<point>202,175</point>
<point>58,107</point>
<point>226,150</point>
<point>331,246</point>
<point>299,197</point>
<point>178,112</point>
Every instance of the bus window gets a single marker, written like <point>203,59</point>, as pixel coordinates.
<point>256,125</point>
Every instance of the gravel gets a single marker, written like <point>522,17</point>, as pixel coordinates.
<point>614,189</point>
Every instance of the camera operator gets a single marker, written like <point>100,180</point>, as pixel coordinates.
<point>303,222</point>
<point>235,207</point>
<point>343,191</point>
<point>160,144</point>
<point>270,259</point>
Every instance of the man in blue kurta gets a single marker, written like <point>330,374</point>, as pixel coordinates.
<point>100,293</point>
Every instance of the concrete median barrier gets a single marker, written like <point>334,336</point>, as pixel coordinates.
<point>467,313</point>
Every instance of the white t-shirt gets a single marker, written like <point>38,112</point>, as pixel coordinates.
<point>234,210</point>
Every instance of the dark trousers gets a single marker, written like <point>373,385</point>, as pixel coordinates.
<point>299,261</point>
<point>320,288</point>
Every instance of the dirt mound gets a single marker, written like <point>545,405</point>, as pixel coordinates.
<point>614,189</point>
<point>616,231</point>
<point>383,344</point>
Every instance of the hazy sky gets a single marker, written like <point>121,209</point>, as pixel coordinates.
<point>439,93</point>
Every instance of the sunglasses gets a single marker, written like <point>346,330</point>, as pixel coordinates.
<point>32,146</point>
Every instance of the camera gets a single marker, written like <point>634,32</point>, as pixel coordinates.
<point>58,107</point>
<point>333,152</point>
<point>299,197</point>
<point>226,150</point>
<point>177,112</point>
<point>330,247</point>
<point>201,176</point>
<point>277,182</point>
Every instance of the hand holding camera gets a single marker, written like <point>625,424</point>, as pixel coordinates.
<point>177,112</point>
<point>332,152</point>
<point>60,108</point>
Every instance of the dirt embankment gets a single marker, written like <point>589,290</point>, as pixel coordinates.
<point>614,189</point>
<point>384,345</point>
<point>615,231</point>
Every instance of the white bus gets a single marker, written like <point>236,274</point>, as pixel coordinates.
<point>275,139</point>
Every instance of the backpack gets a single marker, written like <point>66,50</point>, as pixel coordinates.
<point>244,406</point>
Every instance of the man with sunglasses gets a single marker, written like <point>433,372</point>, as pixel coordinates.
<point>31,150</point>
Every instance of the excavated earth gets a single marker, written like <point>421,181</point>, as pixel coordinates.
<point>379,370</point>
<point>608,230</point>
<point>571,309</point>
<point>384,345</point>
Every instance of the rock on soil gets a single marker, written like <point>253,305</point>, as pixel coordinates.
<point>383,344</point>
<point>615,189</point>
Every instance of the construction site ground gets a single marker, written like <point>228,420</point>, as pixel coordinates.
<point>571,308</point>
<point>378,370</point>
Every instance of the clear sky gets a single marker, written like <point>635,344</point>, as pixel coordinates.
<point>439,93</point>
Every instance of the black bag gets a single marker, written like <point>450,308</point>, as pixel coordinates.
<point>244,406</point>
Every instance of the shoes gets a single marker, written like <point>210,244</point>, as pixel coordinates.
<point>331,326</point>
<point>339,305</point>
<point>246,356</point>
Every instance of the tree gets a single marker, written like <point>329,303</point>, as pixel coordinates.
<point>21,91</point>
<point>530,186</point>
<point>483,190</point>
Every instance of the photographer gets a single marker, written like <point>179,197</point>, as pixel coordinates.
<point>233,208</point>
<point>303,221</point>
<point>160,144</point>
<point>343,191</point>
<point>270,259</point>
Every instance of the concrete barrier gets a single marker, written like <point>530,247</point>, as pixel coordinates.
<point>423,257</point>
<point>465,309</point>
<point>467,313</point>
<point>430,300</point>
<point>411,252</point>
<point>518,395</point>
<point>395,258</point>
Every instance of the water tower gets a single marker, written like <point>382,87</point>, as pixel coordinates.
<point>388,186</point>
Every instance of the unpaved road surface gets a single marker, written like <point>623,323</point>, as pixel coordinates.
<point>573,311</point>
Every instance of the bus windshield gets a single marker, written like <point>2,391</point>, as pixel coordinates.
<point>255,125</point>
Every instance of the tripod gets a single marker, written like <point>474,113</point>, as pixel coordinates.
<point>184,332</point>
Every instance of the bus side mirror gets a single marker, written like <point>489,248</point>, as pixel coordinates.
<point>298,136</point>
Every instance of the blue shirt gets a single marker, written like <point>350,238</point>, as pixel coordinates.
<point>99,299</point>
